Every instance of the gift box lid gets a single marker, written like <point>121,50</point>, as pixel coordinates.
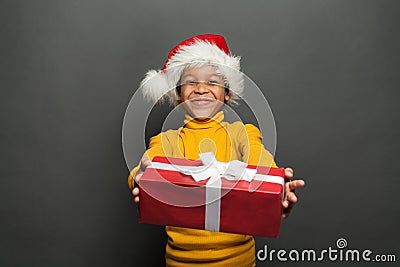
<point>186,180</point>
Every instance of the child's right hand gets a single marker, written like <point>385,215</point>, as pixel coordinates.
<point>144,163</point>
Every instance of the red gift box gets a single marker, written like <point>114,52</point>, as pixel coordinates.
<point>169,197</point>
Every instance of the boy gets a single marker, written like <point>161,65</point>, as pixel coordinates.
<point>205,76</point>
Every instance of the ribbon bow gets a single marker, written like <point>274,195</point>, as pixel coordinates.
<point>235,170</point>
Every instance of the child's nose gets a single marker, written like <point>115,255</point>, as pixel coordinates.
<point>201,88</point>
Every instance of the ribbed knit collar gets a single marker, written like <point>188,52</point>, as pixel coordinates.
<point>215,121</point>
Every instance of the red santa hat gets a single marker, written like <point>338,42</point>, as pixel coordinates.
<point>159,85</point>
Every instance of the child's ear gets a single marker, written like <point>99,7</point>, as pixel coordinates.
<point>227,97</point>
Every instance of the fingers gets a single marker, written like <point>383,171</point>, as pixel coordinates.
<point>286,213</point>
<point>135,193</point>
<point>289,173</point>
<point>296,184</point>
<point>290,200</point>
<point>285,204</point>
<point>288,203</point>
<point>137,177</point>
<point>290,197</point>
<point>287,208</point>
<point>144,163</point>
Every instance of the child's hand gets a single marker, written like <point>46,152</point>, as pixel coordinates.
<point>290,197</point>
<point>144,163</point>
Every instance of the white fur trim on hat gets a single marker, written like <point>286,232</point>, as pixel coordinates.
<point>160,86</point>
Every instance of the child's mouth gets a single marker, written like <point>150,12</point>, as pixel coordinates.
<point>201,101</point>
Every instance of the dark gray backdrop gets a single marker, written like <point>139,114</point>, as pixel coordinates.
<point>69,68</point>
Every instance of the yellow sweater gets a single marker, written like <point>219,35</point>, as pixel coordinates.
<point>190,247</point>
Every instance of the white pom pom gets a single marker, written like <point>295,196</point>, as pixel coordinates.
<point>156,88</point>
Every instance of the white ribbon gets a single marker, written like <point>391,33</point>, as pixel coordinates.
<point>235,171</point>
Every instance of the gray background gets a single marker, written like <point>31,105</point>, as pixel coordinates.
<point>329,69</point>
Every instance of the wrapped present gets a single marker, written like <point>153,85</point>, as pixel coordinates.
<point>206,194</point>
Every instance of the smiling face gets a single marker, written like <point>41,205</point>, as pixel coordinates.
<point>202,91</point>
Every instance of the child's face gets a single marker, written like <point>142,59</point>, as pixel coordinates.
<point>202,91</point>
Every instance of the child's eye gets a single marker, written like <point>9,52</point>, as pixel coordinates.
<point>190,82</point>
<point>214,82</point>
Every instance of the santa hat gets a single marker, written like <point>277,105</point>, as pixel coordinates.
<point>159,85</point>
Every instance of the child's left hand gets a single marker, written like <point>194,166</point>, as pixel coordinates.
<point>144,163</point>
<point>290,197</point>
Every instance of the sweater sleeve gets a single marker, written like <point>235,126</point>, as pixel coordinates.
<point>155,149</point>
<point>251,147</point>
